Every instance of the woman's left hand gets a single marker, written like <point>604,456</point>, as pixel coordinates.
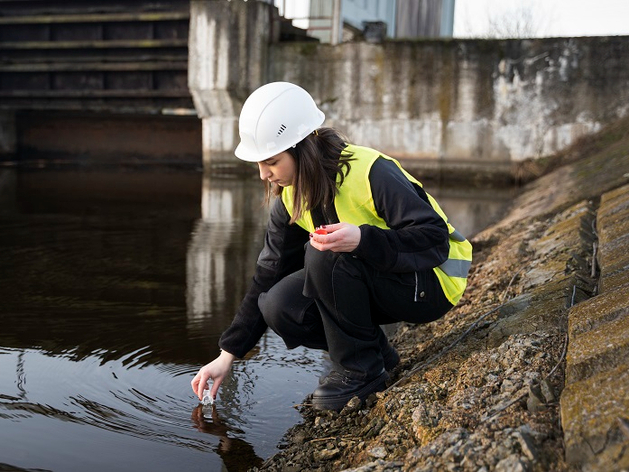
<point>340,237</point>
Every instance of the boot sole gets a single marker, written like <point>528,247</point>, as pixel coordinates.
<point>337,402</point>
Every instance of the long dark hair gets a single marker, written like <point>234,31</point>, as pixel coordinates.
<point>320,160</point>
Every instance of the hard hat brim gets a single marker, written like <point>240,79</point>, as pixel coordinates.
<point>244,154</point>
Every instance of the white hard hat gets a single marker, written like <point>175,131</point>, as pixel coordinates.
<point>275,117</point>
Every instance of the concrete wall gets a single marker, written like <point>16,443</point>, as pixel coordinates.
<point>470,101</point>
<point>475,99</point>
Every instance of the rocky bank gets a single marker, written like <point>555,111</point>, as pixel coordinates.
<point>507,381</point>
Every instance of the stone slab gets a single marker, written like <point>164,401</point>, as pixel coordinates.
<point>614,458</point>
<point>599,349</point>
<point>614,254</point>
<point>596,311</point>
<point>613,229</point>
<point>614,279</point>
<point>617,198</point>
<point>538,310</point>
<point>590,412</point>
<point>565,232</point>
<point>613,225</point>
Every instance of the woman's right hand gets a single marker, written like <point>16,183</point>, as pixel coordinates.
<point>216,370</point>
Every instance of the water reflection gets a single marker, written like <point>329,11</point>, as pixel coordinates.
<point>82,415</point>
<point>471,209</point>
<point>224,246</point>
<point>115,287</point>
<point>236,453</point>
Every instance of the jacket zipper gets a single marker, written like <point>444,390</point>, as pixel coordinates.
<point>416,286</point>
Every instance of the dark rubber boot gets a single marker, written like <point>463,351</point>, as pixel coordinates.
<point>391,358</point>
<point>335,390</point>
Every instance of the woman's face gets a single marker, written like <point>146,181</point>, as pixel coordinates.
<point>279,169</point>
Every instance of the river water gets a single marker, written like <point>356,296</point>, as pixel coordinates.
<point>115,287</point>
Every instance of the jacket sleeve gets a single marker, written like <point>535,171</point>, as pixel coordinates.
<point>283,254</point>
<point>418,237</point>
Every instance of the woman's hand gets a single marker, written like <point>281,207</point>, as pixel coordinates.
<point>216,370</point>
<point>340,237</point>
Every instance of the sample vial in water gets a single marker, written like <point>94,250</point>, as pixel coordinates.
<point>207,398</point>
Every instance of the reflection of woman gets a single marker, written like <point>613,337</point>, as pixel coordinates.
<point>384,253</point>
<point>236,454</point>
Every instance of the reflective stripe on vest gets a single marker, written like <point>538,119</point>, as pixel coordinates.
<point>354,204</point>
<point>456,267</point>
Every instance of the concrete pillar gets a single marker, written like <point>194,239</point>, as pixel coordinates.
<point>228,48</point>
<point>8,141</point>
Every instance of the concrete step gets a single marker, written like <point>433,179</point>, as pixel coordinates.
<point>595,401</point>
<point>603,347</point>
<point>615,457</point>
<point>597,311</point>
<point>613,255</point>
<point>613,224</point>
<point>613,280</point>
<point>592,412</point>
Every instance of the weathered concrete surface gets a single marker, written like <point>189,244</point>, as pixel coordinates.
<point>448,101</point>
<point>530,372</point>
<point>614,230</point>
<point>460,100</point>
<point>595,402</point>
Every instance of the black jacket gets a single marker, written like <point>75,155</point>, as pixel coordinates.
<point>417,240</point>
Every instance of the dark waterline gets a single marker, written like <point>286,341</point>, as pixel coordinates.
<point>115,287</point>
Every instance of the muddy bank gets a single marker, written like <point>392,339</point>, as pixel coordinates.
<point>479,389</point>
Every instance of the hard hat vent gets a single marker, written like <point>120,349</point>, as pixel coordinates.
<point>281,130</point>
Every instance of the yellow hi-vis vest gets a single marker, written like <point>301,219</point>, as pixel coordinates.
<point>354,204</point>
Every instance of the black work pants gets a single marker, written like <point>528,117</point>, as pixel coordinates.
<point>338,302</point>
